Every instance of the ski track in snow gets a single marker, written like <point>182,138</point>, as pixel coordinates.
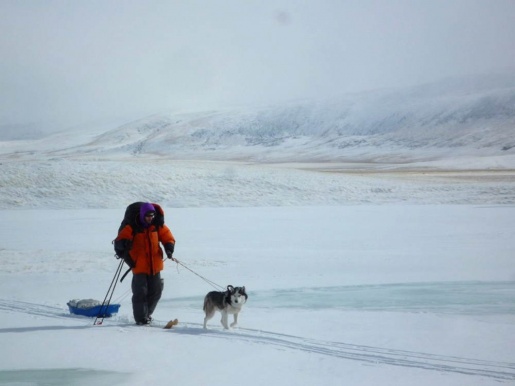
<point>368,355</point>
<point>364,354</point>
<point>33,309</point>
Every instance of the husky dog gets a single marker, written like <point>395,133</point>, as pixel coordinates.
<point>228,302</point>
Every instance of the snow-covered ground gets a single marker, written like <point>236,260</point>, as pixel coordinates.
<point>367,294</point>
<point>371,258</point>
<point>65,184</point>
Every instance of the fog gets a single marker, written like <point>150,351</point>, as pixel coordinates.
<point>66,63</point>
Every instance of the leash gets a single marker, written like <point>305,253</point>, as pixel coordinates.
<point>210,282</point>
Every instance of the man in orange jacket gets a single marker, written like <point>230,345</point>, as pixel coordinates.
<point>138,244</point>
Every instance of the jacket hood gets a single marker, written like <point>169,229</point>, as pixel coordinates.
<point>145,208</point>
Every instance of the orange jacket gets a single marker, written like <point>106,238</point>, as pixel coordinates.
<point>146,252</point>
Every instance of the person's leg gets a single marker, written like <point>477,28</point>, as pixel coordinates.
<point>155,289</point>
<point>139,297</point>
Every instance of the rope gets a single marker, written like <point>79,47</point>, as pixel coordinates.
<point>210,282</point>
<point>123,296</point>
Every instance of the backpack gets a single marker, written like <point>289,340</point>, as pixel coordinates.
<point>131,217</point>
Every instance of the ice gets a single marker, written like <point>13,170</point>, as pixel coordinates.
<point>60,377</point>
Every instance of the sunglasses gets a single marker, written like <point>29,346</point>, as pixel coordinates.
<point>150,215</point>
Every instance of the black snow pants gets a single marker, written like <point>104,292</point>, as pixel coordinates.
<point>146,292</point>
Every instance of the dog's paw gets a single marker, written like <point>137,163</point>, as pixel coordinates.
<point>234,324</point>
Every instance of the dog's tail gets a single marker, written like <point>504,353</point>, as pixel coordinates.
<point>205,303</point>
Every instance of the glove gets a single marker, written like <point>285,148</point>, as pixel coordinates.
<point>122,247</point>
<point>169,250</point>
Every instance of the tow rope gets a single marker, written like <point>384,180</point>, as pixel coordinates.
<point>210,282</point>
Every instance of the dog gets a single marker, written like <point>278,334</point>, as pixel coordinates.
<point>229,302</point>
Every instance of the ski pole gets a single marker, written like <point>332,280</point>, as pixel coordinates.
<point>109,294</point>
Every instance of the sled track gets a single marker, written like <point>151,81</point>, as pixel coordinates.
<point>32,308</point>
<point>369,354</point>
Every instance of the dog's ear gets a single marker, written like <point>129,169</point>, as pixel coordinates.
<point>230,288</point>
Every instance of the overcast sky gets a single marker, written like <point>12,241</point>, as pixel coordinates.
<point>76,61</point>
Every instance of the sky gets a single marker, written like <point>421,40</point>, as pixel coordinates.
<point>69,62</point>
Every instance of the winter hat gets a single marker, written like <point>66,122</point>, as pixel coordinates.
<point>145,208</point>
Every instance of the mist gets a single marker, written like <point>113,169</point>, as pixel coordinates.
<point>70,63</point>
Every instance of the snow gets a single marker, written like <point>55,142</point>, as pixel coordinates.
<point>391,264</point>
<point>369,294</point>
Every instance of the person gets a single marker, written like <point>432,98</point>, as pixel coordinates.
<point>138,244</point>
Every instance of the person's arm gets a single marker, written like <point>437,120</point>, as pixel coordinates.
<point>123,244</point>
<point>168,241</point>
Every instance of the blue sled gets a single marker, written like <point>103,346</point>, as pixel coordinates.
<point>95,312</point>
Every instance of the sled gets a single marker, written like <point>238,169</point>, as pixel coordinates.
<point>92,308</point>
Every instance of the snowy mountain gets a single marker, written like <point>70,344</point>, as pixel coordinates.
<point>329,152</point>
<point>468,116</point>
